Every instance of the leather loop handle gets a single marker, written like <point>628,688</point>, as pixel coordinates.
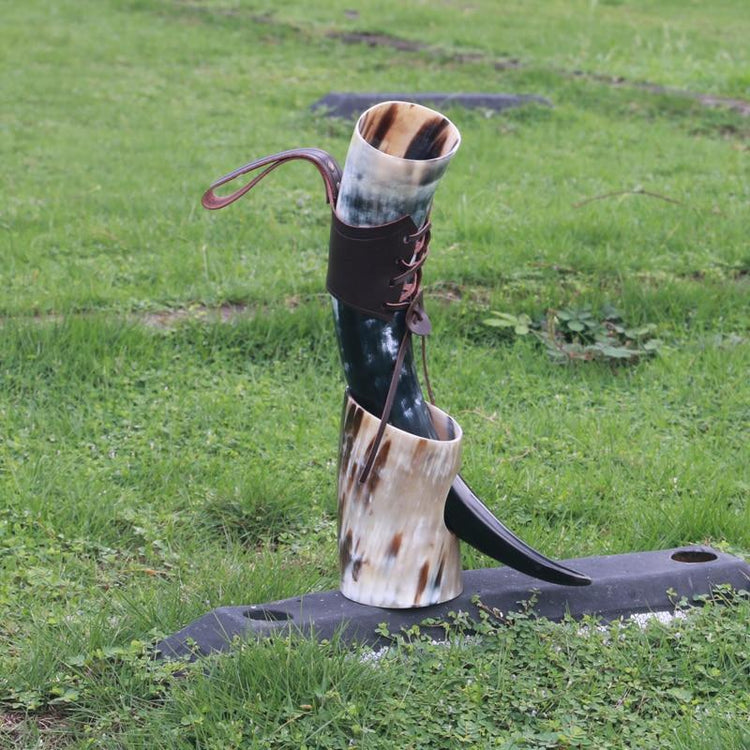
<point>323,161</point>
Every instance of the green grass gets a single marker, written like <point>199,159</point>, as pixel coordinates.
<point>149,473</point>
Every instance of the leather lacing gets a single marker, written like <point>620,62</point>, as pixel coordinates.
<point>413,268</point>
<point>417,322</point>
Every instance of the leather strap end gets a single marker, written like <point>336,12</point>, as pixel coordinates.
<point>322,160</point>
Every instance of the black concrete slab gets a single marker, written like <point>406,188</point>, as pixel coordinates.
<point>349,104</point>
<point>622,585</point>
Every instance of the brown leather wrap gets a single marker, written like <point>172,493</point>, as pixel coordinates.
<point>364,263</point>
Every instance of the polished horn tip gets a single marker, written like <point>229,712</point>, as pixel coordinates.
<point>471,521</point>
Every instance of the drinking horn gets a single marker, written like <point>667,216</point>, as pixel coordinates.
<point>401,500</point>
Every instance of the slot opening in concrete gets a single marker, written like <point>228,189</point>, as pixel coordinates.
<point>693,556</point>
<point>266,614</point>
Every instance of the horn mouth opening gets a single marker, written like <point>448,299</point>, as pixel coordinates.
<point>408,131</point>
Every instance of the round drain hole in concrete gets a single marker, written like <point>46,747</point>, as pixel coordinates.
<point>693,556</point>
<point>266,614</point>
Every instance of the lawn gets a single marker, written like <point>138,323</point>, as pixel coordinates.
<point>170,389</point>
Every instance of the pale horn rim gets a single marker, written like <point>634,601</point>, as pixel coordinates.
<point>368,146</point>
<point>440,420</point>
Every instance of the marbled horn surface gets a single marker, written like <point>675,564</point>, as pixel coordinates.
<point>394,548</point>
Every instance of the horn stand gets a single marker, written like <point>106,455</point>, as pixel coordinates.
<point>394,548</point>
